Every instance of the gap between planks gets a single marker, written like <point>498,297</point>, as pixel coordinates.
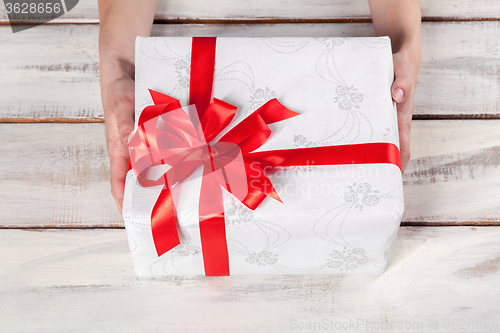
<point>69,120</point>
<point>120,226</point>
<point>263,20</point>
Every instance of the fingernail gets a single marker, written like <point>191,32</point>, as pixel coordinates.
<point>398,94</point>
<point>125,137</point>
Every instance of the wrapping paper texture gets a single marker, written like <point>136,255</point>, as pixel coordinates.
<point>334,219</point>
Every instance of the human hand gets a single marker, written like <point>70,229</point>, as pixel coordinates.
<point>401,21</point>
<point>119,124</point>
<point>120,22</point>
<point>403,92</point>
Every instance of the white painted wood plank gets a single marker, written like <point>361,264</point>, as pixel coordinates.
<point>86,10</point>
<point>53,71</point>
<point>454,173</point>
<point>83,281</point>
<point>57,174</point>
<point>50,72</point>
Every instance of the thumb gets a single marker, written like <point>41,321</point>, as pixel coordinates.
<point>401,87</point>
<point>123,109</point>
<point>125,127</point>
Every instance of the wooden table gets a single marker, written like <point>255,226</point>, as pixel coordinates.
<point>64,261</point>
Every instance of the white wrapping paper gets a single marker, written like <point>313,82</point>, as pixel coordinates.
<point>334,219</point>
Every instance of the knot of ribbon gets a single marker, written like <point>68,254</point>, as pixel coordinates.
<point>169,146</point>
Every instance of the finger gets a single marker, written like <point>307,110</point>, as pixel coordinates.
<point>122,106</point>
<point>404,143</point>
<point>402,85</point>
<point>403,91</point>
<point>118,158</point>
<point>405,111</point>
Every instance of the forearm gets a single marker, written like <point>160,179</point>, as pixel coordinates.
<point>121,21</point>
<point>400,20</point>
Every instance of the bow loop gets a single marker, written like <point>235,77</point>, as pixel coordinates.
<point>249,134</point>
<point>216,117</point>
<point>253,132</point>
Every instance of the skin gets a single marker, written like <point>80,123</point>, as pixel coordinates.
<point>400,20</point>
<point>121,21</point>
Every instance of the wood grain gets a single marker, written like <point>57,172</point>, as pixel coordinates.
<point>184,10</point>
<point>454,173</point>
<point>56,175</point>
<point>83,281</point>
<point>50,72</point>
<point>458,77</point>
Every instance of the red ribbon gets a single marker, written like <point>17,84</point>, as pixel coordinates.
<point>166,136</point>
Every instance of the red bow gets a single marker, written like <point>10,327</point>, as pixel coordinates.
<point>167,136</point>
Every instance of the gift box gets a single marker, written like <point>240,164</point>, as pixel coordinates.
<point>310,182</point>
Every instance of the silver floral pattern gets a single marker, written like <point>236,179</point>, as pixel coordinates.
<point>300,168</point>
<point>347,259</point>
<point>237,213</point>
<point>330,42</point>
<point>370,200</point>
<point>351,196</point>
<point>182,67</point>
<point>348,97</point>
<point>369,196</point>
<point>261,96</point>
<point>183,81</point>
<point>391,135</point>
<point>187,249</point>
<point>302,141</point>
<point>262,258</point>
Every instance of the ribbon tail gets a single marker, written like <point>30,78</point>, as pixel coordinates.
<point>273,111</point>
<point>362,153</point>
<point>259,186</point>
<point>159,98</point>
<point>163,224</point>
<point>213,228</point>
